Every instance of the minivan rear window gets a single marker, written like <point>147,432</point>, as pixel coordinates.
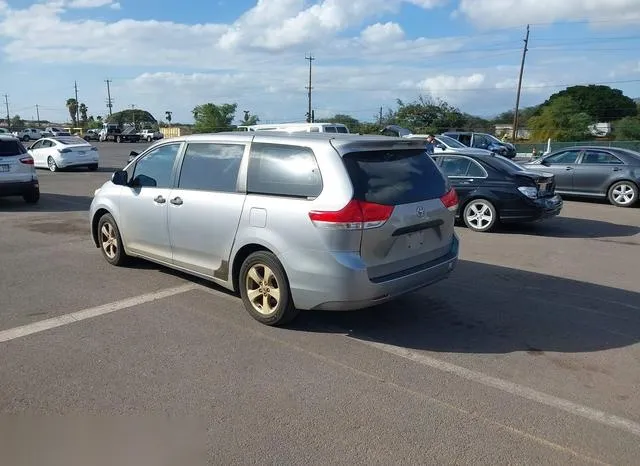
<point>395,177</point>
<point>11,147</point>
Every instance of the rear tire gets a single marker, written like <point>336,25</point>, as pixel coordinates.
<point>118,139</point>
<point>26,138</point>
<point>623,194</point>
<point>32,197</point>
<point>51,163</point>
<point>110,241</point>
<point>480,215</point>
<point>264,289</point>
<point>93,167</point>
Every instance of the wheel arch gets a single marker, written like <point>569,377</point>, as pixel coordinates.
<point>240,256</point>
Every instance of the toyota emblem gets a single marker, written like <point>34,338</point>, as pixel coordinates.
<point>420,211</point>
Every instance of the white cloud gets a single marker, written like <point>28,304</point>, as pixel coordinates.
<point>382,33</point>
<point>90,3</point>
<point>516,12</point>
<point>448,86</point>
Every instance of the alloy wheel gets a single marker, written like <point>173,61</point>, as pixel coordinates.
<point>109,240</point>
<point>479,215</point>
<point>263,289</point>
<point>623,194</point>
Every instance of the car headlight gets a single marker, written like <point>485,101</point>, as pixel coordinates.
<point>95,193</point>
<point>530,192</point>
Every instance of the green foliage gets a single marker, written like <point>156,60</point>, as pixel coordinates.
<point>83,115</point>
<point>427,115</point>
<point>352,123</point>
<point>601,103</point>
<point>72,106</point>
<point>168,116</point>
<point>249,119</point>
<point>561,120</point>
<point>137,116</point>
<point>211,118</point>
<point>478,124</point>
<point>627,129</point>
<point>506,118</point>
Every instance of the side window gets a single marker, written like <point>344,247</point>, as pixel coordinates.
<point>281,170</point>
<point>211,167</point>
<point>37,145</point>
<point>330,129</point>
<point>314,129</point>
<point>47,144</point>
<point>154,169</point>
<point>475,170</point>
<point>465,139</point>
<point>598,157</point>
<point>563,158</point>
<point>455,166</point>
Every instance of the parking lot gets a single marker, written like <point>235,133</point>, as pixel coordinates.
<point>529,353</point>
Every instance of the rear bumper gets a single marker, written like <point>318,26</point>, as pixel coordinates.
<point>77,162</point>
<point>531,211</point>
<point>17,188</point>
<point>340,282</point>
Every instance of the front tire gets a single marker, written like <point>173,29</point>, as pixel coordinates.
<point>623,194</point>
<point>264,289</point>
<point>480,215</point>
<point>149,139</point>
<point>26,138</point>
<point>93,167</point>
<point>118,139</point>
<point>110,241</point>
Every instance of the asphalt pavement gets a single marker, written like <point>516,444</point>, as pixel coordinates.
<point>528,354</point>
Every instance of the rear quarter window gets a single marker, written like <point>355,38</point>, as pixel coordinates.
<point>395,177</point>
<point>282,170</point>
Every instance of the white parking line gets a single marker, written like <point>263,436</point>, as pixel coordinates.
<point>511,388</point>
<point>70,318</point>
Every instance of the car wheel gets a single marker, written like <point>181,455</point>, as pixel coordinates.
<point>480,215</point>
<point>110,241</point>
<point>32,197</point>
<point>118,139</point>
<point>93,167</point>
<point>264,289</point>
<point>148,139</point>
<point>51,163</point>
<point>623,194</point>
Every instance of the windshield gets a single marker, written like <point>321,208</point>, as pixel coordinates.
<point>494,139</point>
<point>450,142</point>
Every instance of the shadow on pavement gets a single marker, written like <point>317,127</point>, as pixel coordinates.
<point>489,309</point>
<point>566,227</point>
<point>49,202</point>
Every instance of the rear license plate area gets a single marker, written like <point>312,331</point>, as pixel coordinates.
<point>4,168</point>
<point>415,240</point>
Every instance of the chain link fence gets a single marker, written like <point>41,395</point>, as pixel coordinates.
<point>542,147</point>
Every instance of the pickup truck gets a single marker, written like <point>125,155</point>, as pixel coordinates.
<point>28,134</point>
<point>112,132</point>
<point>150,135</point>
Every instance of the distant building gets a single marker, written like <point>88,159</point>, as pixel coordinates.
<point>600,130</point>
<point>501,130</point>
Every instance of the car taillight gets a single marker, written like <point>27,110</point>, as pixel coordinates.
<point>450,200</point>
<point>27,160</point>
<point>356,215</point>
<point>94,148</point>
<point>64,151</point>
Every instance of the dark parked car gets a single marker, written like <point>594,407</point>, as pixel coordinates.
<point>91,135</point>
<point>599,172</point>
<point>484,141</point>
<point>494,189</point>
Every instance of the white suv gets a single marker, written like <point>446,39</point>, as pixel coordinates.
<point>17,173</point>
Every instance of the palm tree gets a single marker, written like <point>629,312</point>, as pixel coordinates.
<point>83,114</point>
<point>72,106</point>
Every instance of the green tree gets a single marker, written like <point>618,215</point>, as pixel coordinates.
<point>137,116</point>
<point>72,106</point>
<point>427,115</point>
<point>627,129</point>
<point>561,120</point>
<point>601,103</point>
<point>17,123</point>
<point>83,114</point>
<point>211,118</point>
<point>524,113</point>
<point>249,119</point>
<point>168,116</point>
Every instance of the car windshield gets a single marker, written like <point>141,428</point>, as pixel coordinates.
<point>493,138</point>
<point>72,140</point>
<point>10,147</point>
<point>450,142</point>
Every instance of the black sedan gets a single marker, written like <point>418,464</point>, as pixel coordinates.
<point>600,172</point>
<point>494,189</point>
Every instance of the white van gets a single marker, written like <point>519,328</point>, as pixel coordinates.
<point>299,128</point>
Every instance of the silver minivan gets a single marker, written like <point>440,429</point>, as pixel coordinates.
<point>289,221</point>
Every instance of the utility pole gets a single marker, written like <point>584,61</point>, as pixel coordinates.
<point>6,103</point>
<point>38,114</point>
<point>109,101</point>
<point>380,118</point>
<point>133,114</point>
<point>524,56</point>
<point>75,85</point>
<point>309,112</point>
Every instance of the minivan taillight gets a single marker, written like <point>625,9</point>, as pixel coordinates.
<point>27,160</point>
<point>450,200</point>
<point>356,215</point>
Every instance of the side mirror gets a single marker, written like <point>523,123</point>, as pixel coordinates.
<point>545,163</point>
<point>120,178</point>
<point>132,155</point>
<point>441,146</point>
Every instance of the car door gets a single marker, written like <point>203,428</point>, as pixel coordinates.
<point>36,152</point>
<point>205,207</point>
<point>144,201</point>
<point>562,165</point>
<point>596,171</point>
<point>465,174</point>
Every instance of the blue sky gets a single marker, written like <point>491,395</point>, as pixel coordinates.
<point>166,55</point>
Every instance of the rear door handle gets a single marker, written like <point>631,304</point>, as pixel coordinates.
<point>160,200</point>
<point>176,201</point>
<point>617,169</point>
<point>568,168</point>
